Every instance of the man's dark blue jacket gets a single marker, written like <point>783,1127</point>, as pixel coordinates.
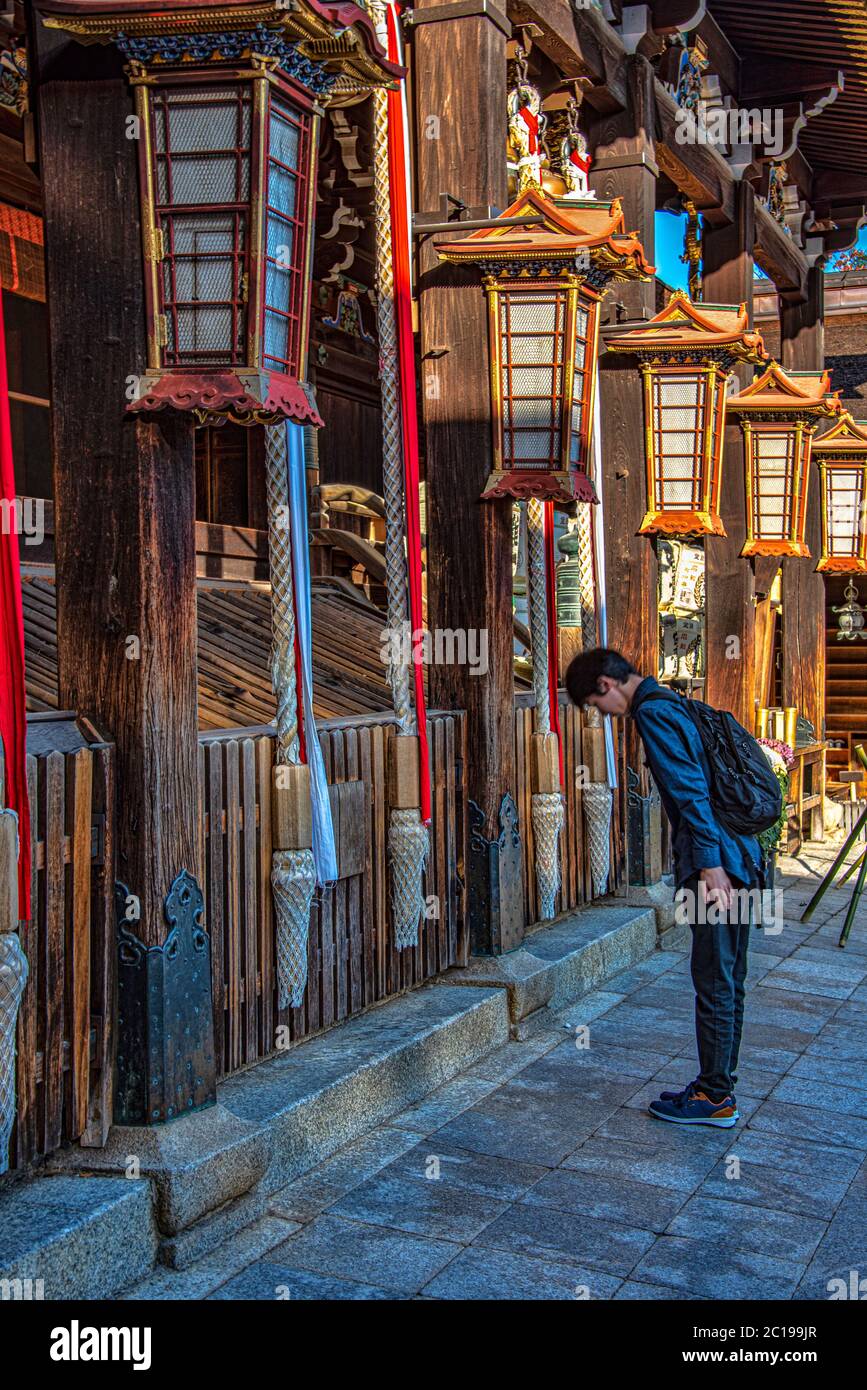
<point>676,758</point>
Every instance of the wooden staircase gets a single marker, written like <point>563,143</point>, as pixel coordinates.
<point>845,685</point>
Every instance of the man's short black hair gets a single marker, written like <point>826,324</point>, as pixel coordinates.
<point>582,676</point>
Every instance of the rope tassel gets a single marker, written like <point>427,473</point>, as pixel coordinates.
<point>548,817</point>
<point>408,844</point>
<point>293,878</point>
<point>13,978</point>
<point>597,803</point>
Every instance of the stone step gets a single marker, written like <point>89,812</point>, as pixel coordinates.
<point>563,960</point>
<point>316,1098</point>
<point>207,1273</point>
<point>68,1237</point>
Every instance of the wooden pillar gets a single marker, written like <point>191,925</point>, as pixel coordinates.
<point>624,167</point>
<point>459,81</point>
<point>731,618</point>
<point>802,347</point>
<point>126,575</point>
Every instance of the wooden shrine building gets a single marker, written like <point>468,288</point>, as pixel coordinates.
<point>417,243</point>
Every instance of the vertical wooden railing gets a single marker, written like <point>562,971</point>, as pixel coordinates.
<point>353,962</point>
<point>577,886</point>
<point>65,1023</point>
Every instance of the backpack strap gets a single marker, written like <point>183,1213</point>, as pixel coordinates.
<point>661,694</point>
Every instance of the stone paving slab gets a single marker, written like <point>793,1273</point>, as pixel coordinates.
<point>502,1275</point>
<point>384,1258</point>
<point>537,1174</point>
<point>714,1270</point>
<point>420,1207</point>
<point>681,1171</point>
<point>269,1281</point>
<point>610,1198</point>
<point>760,1230</point>
<point>573,1237</point>
<point>762,1185</point>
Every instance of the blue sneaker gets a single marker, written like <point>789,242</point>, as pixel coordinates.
<point>692,1107</point>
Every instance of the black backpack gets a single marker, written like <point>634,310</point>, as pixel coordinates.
<point>744,791</point>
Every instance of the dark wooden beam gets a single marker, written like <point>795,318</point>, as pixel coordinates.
<point>699,171</point>
<point>582,44</point>
<point>772,82</point>
<point>728,279</point>
<point>625,166</point>
<point>802,340</point>
<point>126,571</point>
<point>469,542</point>
<point>779,257</point>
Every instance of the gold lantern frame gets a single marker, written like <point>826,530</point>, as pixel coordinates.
<point>565,255</point>
<point>288,58</point>
<point>789,406</point>
<point>687,345</point>
<point>843,450</point>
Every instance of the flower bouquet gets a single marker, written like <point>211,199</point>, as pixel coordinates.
<point>782,760</point>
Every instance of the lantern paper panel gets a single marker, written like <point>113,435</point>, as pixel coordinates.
<point>685,354</point>
<point>228,100</point>
<point>684,408</point>
<point>544,283</point>
<point>779,412</point>
<point>842,458</point>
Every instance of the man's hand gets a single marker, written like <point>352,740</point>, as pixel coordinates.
<point>718,887</point>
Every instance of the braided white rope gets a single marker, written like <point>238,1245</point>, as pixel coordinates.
<point>538,600</point>
<point>293,871</point>
<point>548,817</point>
<point>408,840</point>
<point>13,978</point>
<point>584,531</point>
<point>389,374</point>
<point>283,677</point>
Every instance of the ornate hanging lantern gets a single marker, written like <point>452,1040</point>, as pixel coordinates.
<point>544,283</point>
<point>227,101</point>
<point>842,458</point>
<point>850,616</point>
<point>686,354</point>
<point>779,412</point>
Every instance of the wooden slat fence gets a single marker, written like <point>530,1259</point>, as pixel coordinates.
<point>577,887</point>
<point>352,963</point>
<point>65,1023</point>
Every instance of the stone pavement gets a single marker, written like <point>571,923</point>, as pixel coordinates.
<point>538,1174</point>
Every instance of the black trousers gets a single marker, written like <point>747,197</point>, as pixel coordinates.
<point>719,971</point>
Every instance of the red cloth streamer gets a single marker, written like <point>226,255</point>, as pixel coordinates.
<point>532,123</point>
<point>583,162</point>
<point>553,644</point>
<point>408,407</point>
<point>13,699</point>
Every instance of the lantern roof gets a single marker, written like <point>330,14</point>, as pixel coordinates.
<point>341,35</point>
<point>569,229</point>
<point>789,393</point>
<point>687,326</point>
<point>846,435</point>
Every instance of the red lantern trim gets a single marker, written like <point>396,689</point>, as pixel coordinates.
<point>682,524</point>
<point>227,394</point>
<point>842,564</point>
<point>523,483</point>
<point>799,550</point>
